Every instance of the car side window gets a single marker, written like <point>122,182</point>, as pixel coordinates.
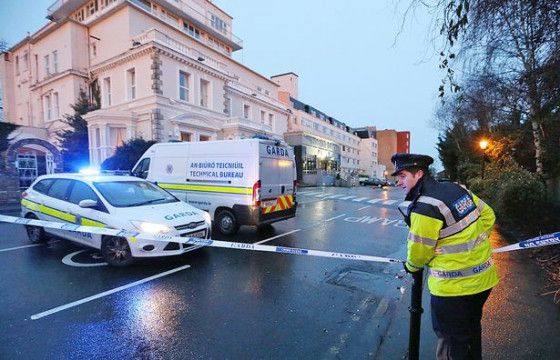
<point>59,189</point>
<point>43,186</point>
<point>81,191</point>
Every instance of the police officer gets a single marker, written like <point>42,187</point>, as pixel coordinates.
<point>449,231</point>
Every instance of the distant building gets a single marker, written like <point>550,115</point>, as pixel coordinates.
<point>163,70</point>
<point>325,147</point>
<point>391,142</point>
<point>369,152</point>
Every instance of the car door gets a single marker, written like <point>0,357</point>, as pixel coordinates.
<point>96,217</point>
<point>55,207</point>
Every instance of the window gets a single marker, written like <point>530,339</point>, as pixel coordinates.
<point>263,117</point>
<point>184,79</point>
<point>142,169</point>
<point>48,107</point>
<point>270,119</point>
<point>47,66</point>
<point>131,84</point>
<point>81,191</point>
<point>56,108</point>
<point>191,30</point>
<point>24,61</point>
<point>43,186</point>
<point>227,106</point>
<point>59,189</point>
<point>246,111</point>
<point>186,136</point>
<point>107,92</point>
<point>55,61</point>
<point>218,24</point>
<point>93,50</point>
<point>204,93</point>
<point>204,138</point>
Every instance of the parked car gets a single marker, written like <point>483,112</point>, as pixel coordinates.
<point>119,202</point>
<point>373,182</point>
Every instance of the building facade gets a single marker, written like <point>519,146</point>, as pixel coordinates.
<point>160,70</point>
<point>391,142</point>
<point>326,149</point>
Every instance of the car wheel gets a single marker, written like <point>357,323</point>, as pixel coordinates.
<point>116,251</point>
<point>226,222</point>
<point>36,234</point>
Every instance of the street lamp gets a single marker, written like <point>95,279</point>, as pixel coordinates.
<point>483,145</point>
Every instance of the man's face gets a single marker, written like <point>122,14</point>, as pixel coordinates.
<point>407,180</point>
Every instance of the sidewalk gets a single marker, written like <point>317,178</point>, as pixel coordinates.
<point>518,322</point>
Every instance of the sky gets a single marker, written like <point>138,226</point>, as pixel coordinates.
<point>356,60</point>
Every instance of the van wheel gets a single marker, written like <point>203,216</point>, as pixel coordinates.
<point>116,251</point>
<point>226,222</point>
<point>36,234</point>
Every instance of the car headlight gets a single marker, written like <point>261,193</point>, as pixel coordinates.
<point>150,227</point>
<point>207,217</point>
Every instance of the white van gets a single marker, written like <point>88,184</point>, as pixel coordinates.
<point>239,182</point>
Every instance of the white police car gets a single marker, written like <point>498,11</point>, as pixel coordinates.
<point>119,202</point>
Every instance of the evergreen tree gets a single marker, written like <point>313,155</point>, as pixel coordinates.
<point>127,155</point>
<point>74,142</point>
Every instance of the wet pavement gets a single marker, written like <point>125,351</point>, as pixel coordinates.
<point>226,304</point>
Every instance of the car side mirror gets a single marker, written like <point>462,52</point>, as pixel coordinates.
<point>87,203</point>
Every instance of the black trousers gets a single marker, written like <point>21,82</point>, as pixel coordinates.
<point>456,322</point>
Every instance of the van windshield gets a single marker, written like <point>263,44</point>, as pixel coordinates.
<point>133,193</point>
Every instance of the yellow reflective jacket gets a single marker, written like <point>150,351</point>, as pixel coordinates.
<point>449,231</point>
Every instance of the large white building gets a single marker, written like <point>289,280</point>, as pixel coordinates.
<point>159,70</point>
<point>162,70</point>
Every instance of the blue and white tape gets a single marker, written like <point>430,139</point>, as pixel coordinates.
<point>196,241</point>
<point>539,241</point>
<point>543,240</point>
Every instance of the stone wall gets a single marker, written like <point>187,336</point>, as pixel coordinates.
<point>9,188</point>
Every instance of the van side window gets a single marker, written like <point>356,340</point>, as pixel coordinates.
<point>142,169</point>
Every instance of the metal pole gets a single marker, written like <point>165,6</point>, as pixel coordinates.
<point>416,311</point>
<point>482,168</point>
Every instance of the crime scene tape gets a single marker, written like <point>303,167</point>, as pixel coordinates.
<point>195,241</point>
<point>543,240</point>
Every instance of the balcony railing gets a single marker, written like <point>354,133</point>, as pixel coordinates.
<point>158,37</point>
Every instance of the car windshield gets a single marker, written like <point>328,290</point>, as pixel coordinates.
<point>133,193</point>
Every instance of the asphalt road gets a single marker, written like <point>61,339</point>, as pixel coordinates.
<point>60,301</point>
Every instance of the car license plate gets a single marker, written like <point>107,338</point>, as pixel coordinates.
<point>199,234</point>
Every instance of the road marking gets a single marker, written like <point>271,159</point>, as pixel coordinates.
<point>347,197</point>
<point>389,202</point>
<point>310,193</point>
<point>336,217</point>
<point>375,201</point>
<point>67,260</point>
<point>333,196</point>
<point>364,207</point>
<point>21,247</point>
<point>322,195</point>
<point>28,246</point>
<point>276,237</point>
<point>109,292</point>
<point>360,199</point>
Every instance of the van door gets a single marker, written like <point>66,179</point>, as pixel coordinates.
<point>276,172</point>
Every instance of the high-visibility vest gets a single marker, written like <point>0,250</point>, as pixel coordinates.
<point>449,232</point>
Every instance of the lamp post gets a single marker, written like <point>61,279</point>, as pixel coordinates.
<point>483,145</point>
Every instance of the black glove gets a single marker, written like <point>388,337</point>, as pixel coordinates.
<point>406,269</point>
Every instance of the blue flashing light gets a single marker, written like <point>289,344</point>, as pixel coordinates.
<point>89,171</point>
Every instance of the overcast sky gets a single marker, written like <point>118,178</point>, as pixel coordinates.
<point>355,60</point>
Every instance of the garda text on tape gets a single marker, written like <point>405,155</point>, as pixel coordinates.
<point>194,241</point>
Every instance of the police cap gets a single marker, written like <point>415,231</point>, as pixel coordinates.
<point>404,161</point>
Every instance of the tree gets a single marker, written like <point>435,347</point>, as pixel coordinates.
<point>127,155</point>
<point>5,130</point>
<point>74,142</point>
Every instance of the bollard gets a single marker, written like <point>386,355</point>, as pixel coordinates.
<point>416,311</point>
